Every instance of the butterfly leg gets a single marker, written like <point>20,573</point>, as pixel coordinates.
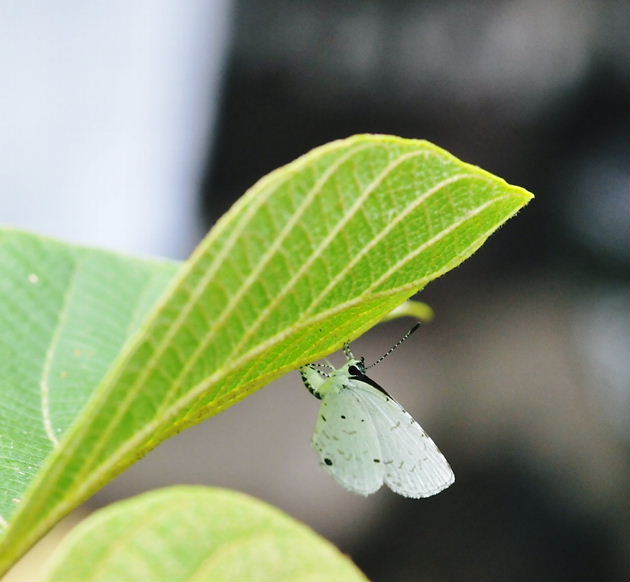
<point>348,352</point>
<point>318,368</point>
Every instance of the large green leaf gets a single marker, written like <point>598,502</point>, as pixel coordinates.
<point>197,534</point>
<point>313,255</point>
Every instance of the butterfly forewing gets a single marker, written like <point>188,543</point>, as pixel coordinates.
<point>347,442</point>
<point>413,465</point>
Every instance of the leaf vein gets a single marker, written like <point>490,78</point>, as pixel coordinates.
<point>317,252</point>
<point>442,234</point>
<point>381,235</point>
<point>44,382</point>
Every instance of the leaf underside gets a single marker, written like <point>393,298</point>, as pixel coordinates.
<point>311,256</point>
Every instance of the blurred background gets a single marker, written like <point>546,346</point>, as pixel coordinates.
<point>134,126</point>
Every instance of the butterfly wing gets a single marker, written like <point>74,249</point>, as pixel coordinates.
<point>412,463</point>
<point>347,442</point>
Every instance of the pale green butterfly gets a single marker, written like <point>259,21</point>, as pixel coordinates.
<point>365,438</point>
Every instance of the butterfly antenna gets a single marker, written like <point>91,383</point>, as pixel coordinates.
<point>401,340</point>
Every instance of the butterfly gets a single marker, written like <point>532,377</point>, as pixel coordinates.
<point>365,438</point>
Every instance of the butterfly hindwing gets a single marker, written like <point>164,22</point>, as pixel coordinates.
<point>413,465</point>
<point>347,442</point>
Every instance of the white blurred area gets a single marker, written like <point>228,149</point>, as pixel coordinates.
<point>105,113</point>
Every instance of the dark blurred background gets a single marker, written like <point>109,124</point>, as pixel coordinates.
<point>522,379</point>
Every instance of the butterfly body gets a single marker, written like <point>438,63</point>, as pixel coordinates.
<point>365,438</point>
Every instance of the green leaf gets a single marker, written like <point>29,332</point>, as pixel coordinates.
<point>311,256</point>
<point>65,313</point>
<point>197,534</point>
